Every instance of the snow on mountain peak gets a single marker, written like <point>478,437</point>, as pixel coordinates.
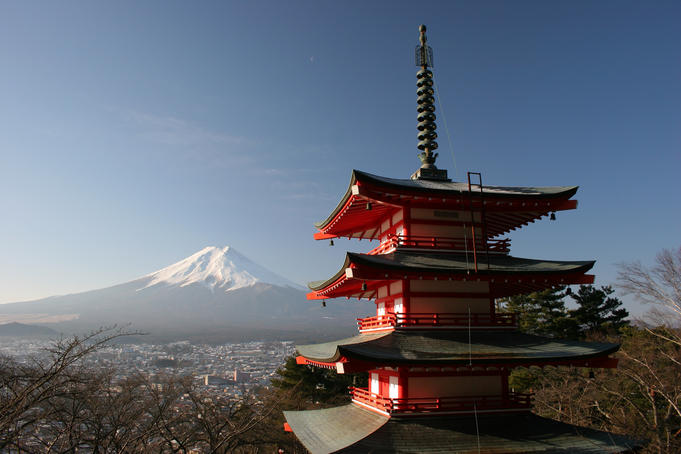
<point>216,268</point>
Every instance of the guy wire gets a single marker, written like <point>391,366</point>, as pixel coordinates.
<point>477,428</point>
<point>444,120</point>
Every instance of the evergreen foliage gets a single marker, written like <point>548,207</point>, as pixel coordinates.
<point>314,386</point>
<point>597,311</point>
<point>545,313</point>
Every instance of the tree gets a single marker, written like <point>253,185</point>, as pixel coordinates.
<point>59,404</point>
<point>640,398</point>
<point>26,390</point>
<point>542,313</point>
<point>597,311</point>
<point>659,286</point>
<point>657,371</point>
<point>102,414</point>
<point>314,386</point>
<point>545,313</point>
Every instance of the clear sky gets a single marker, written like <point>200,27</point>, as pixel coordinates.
<point>133,134</point>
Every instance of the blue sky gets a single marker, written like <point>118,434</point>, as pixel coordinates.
<point>133,134</point>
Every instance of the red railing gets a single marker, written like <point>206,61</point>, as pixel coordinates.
<point>446,319</point>
<point>377,322</point>
<point>431,242</point>
<point>364,396</point>
<point>513,401</point>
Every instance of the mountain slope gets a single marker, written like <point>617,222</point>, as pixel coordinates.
<point>216,268</point>
<point>214,289</point>
<point>21,330</point>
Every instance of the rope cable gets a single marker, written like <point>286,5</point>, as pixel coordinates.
<point>470,348</point>
<point>477,428</point>
<point>465,245</point>
<point>444,121</point>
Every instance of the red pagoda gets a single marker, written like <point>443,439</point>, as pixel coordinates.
<point>437,352</point>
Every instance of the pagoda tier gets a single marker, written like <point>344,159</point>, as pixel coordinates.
<point>364,275</point>
<point>352,429</point>
<point>373,206</point>
<point>421,372</point>
<point>454,350</point>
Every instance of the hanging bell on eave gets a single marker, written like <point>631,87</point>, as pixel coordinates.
<point>331,242</point>
<point>369,207</point>
<point>364,286</point>
<point>323,303</point>
<point>552,216</point>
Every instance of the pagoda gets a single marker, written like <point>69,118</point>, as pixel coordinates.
<point>437,352</point>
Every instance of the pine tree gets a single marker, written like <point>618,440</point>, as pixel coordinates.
<point>543,313</point>
<point>597,311</point>
<point>313,385</point>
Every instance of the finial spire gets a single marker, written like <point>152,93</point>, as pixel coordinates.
<point>426,113</point>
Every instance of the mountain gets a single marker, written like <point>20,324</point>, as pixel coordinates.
<point>20,330</point>
<point>216,268</point>
<point>216,294</point>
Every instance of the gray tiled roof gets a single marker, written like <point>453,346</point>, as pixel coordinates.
<point>333,428</point>
<point>448,262</point>
<point>427,187</point>
<point>456,263</point>
<point>452,346</point>
<point>351,429</point>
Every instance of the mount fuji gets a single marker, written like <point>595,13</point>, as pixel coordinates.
<point>214,295</point>
<point>221,269</point>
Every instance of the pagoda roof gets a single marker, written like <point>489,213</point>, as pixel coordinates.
<point>479,346</point>
<point>506,207</point>
<point>352,429</point>
<point>507,275</point>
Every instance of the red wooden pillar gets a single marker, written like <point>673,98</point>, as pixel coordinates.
<point>492,308</point>
<point>406,297</point>
<point>504,384</point>
<point>403,383</point>
<point>406,218</point>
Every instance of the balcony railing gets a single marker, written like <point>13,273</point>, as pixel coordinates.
<point>431,242</point>
<point>439,320</point>
<point>377,322</point>
<point>513,401</point>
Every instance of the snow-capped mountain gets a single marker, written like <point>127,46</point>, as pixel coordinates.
<point>216,268</point>
<point>216,290</point>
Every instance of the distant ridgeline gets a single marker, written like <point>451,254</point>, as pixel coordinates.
<point>20,330</point>
<point>215,295</point>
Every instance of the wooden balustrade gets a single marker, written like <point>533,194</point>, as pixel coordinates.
<point>513,401</point>
<point>442,319</point>
<point>377,322</point>
<point>451,243</point>
<point>364,396</point>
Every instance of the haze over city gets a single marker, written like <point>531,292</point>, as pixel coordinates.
<point>133,135</point>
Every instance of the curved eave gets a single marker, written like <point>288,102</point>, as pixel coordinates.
<point>444,188</point>
<point>350,217</point>
<point>337,278</point>
<point>486,347</point>
<point>343,202</point>
<point>351,429</point>
<point>507,275</point>
<point>332,429</point>
<point>439,262</point>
